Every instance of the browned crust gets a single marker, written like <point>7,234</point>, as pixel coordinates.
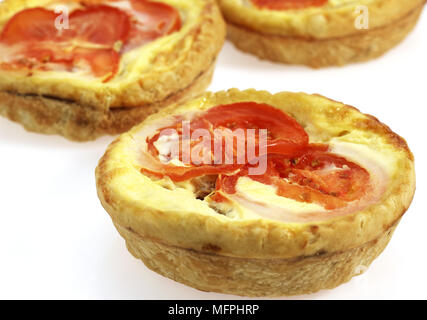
<point>317,53</point>
<point>254,277</point>
<point>82,123</point>
<point>374,125</point>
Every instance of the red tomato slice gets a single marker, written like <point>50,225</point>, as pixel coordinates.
<point>285,136</point>
<point>288,4</point>
<point>102,62</point>
<point>35,24</point>
<point>35,28</point>
<point>87,24</point>
<point>98,24</point>
<point>315,177</point>
<point>158,16</point>
<point>179,174</point>
<point>153,20</point>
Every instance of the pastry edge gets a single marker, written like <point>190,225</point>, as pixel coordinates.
<point>255,277</point>
<point>318,53</point>
<point>323,22</point>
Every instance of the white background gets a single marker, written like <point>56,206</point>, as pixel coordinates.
<point>56,241</point>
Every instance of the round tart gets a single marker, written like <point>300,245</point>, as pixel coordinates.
<point>86,68</point>
<point>319,33</point>
<point>304,194</point>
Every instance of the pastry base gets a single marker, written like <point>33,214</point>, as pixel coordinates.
<point>76,122</point>
<point>254,277</point>
<point>317,53</point>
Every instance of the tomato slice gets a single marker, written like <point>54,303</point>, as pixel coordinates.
<point>43,43</point>
<point>154,19</point>
<point>87,25</point>
<point>285,136</point>
<point>288,4</point>
<point>98,24</point>
<point>179,174</point>
<point>314,177</point>
<point>252,115</point>
<point>160,17</point>
<point>104,63</point>
<point>36,24</point>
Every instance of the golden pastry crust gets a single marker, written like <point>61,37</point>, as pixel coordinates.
<point>155,218</point>
<point>320,36</point>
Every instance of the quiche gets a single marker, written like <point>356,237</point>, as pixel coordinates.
<point>86,68</point>
<point>257,194</point>
<point>319,33</point>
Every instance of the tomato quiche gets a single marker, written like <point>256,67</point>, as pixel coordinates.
<point>319,33</point>
<point>254,194</point>
<point>85,68</point>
